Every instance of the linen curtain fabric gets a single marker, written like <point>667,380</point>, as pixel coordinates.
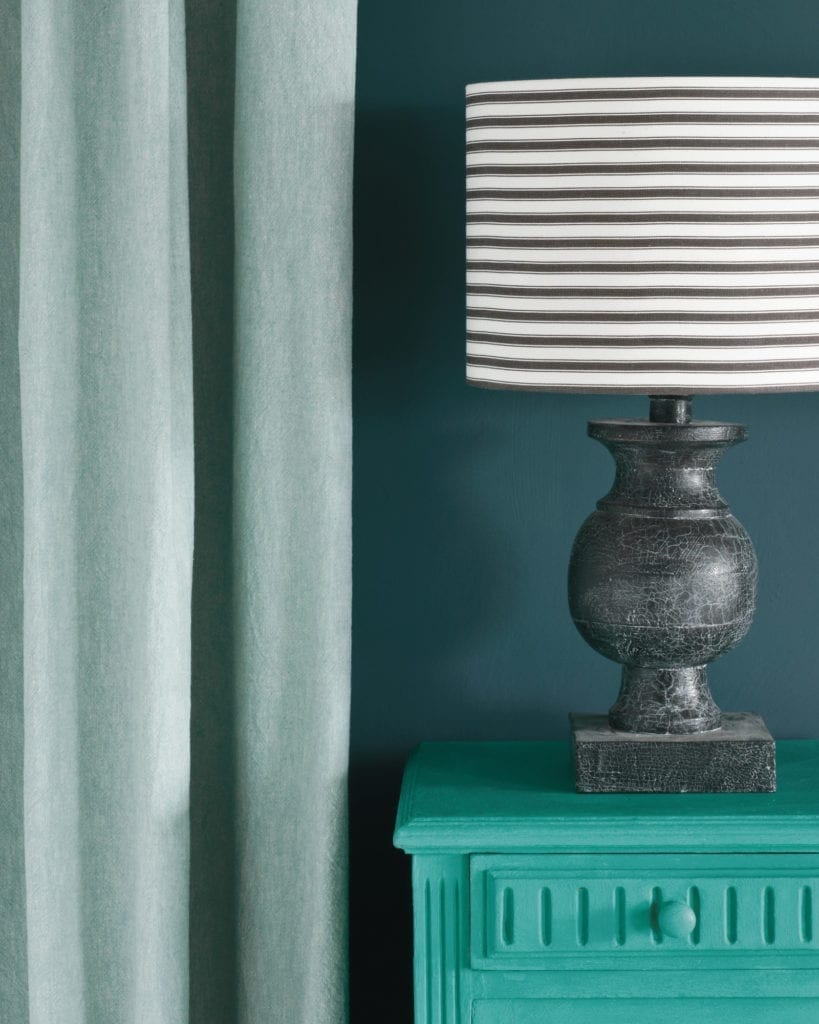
<point>98,531</point>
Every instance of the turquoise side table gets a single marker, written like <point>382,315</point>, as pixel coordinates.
<point>534,904</point>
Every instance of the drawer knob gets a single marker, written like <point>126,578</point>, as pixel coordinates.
<point>676,919</point>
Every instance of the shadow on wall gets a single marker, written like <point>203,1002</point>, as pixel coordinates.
<point>465,501</point>
<point>380,906</point>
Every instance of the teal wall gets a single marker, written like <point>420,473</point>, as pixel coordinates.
<point>466,501</point>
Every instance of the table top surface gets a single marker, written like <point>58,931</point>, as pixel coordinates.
<point>485,797</point>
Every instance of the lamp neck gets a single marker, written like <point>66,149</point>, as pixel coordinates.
<point>670,409</point>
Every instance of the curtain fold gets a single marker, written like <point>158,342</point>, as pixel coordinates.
<point>14,958</point>
<point>292,483</point>
<point>105,394</point>
<point>97,504</point>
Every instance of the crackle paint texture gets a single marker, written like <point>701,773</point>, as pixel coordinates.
<point>466,502</point>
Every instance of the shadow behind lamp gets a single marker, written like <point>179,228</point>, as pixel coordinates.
<point>655,236</point>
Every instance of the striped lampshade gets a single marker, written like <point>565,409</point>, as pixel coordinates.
<point>643,235</point>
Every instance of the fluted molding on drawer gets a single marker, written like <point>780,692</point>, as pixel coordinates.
<point>441,893</point>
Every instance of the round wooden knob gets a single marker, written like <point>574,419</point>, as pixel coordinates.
<point>676,919</point>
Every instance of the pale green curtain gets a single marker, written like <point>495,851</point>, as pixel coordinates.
<point>98,376</point>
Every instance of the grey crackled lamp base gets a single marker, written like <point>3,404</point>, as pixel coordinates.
<point>738,757</point>
<point>662,579</point>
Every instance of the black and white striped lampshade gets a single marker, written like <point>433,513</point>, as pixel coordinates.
<point>643,235</point>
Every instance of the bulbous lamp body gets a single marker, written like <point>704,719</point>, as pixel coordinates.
<point>662,577</point>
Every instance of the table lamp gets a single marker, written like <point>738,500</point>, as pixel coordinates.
<point>654,236</point>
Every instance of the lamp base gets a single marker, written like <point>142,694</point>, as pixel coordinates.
<point>739,757</point>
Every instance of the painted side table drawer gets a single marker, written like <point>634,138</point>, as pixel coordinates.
<point>530,912</point>
<point>646,1011</point>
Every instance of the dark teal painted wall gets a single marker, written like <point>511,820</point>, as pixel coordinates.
<point>466,501</point>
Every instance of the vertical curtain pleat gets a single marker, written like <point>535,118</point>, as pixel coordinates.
<point>292,467</point>
<point>13,955</point>
<point>105,386</point>
<point>210,27</point>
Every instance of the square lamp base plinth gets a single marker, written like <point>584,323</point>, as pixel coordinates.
<point>739,757</point>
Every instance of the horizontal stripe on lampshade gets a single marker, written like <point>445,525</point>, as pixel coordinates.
<point>643,235</point>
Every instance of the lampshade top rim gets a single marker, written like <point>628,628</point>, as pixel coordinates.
<point>769,81</point>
